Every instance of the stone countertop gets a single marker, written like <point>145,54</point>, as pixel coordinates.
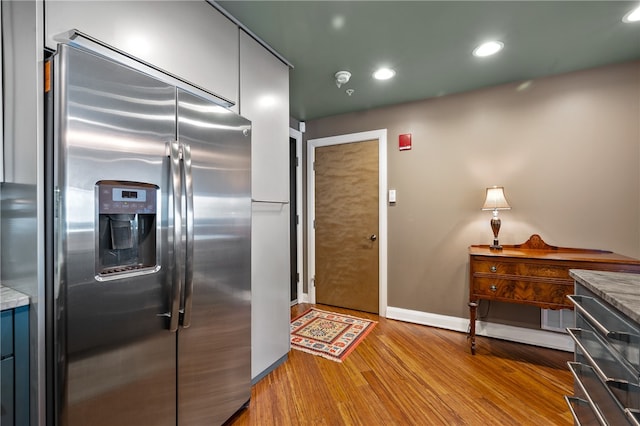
<point>621,290</point>
<point>10,298</point>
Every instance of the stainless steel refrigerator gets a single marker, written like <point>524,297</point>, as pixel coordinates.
<point>150,281</point>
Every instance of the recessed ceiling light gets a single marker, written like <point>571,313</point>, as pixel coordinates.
<point>384,74</point>
<point>487,49</point>
<point>633,16</point>
<point>337,22</point>
<point>524,85</point>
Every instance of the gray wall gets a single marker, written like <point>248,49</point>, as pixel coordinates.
<point>566,149</point>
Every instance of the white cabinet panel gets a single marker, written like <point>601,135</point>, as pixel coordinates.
<point>264,99</point>
<point>22,95</point>
<point>270,290</point>
<point>189,39</point>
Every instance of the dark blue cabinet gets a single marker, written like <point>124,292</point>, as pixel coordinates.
<point>14,366</point>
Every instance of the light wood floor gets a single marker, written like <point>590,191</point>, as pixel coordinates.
<point>407,374</point>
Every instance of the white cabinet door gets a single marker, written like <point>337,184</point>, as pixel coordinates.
<point>189,39</point>
<point>270,289</point>
<point>22,125</point>
<point>264,99</point>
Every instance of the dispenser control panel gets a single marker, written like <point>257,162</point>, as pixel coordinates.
<point>126,229</point>
<point>116,199</point>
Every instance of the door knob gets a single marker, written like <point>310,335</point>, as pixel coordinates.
<point>373,237</point>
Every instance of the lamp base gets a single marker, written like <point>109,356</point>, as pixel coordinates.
<point>495,227</point>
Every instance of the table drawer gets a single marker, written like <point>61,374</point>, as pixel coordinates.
<point>522,290</point>
<point>498,266</point>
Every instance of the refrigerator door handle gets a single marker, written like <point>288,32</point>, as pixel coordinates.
<point>188,274</point>
<point>176,276</point>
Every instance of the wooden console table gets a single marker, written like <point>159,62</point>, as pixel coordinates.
<point>533,273</point>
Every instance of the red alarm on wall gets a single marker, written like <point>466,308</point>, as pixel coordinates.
<point>404,142</point>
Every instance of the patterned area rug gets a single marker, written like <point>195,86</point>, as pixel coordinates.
<point>328,334</point>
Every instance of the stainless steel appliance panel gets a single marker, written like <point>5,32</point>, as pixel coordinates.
<point>112,123</point>
<point>214,347</point>
<point>620,334</point>
<point>597,393</point>
<point>606,358</point>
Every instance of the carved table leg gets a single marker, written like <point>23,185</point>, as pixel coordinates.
<point>473,306</point>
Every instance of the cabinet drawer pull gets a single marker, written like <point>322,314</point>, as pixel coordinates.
<point>602,351</point>
<point>493,288</point>
<point>618,335</point>
<point>574,332</point>
<point>624,385</point>
<point>576,368</point>
<point>571,400</point>
<point>493,268</point>
<point>633,415</point>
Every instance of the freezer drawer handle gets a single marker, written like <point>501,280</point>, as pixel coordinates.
<point>176,276</point>
<point>188,274</point>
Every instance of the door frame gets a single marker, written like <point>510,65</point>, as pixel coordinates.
<point>297,135</point>
<point>381,136</point>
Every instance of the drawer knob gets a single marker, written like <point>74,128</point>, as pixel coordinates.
<point>493,268</point>
<point>493,288</point>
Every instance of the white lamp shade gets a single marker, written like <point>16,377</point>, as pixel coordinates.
<point>496,199</point>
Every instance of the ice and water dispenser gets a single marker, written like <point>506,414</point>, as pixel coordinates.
<point>127,223</point>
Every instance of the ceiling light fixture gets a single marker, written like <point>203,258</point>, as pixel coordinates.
<point>342,77</point>
<point>487,49</point>
<point>384,74</point>
<point>524,85</point>
<point>337,22</point>
<point>633,16</point>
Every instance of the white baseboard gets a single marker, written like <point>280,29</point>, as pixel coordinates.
<point>304,298</point>
<point>542,338</point>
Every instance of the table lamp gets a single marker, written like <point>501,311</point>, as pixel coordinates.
<point>495,201</point>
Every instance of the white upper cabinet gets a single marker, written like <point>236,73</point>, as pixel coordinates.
<point>189,39</point>
<point>264,99</point>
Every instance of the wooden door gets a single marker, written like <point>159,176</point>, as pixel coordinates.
<point>346,225</point>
